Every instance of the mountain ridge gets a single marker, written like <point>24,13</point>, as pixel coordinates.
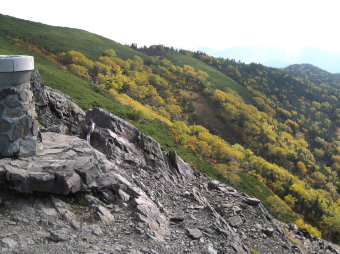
<point>154,93</point>
<point>279,57</point>
<point>313,73</point>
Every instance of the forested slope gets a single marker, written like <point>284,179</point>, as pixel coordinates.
<point>313,74</point>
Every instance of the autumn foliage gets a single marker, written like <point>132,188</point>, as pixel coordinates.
<point>286,145</point>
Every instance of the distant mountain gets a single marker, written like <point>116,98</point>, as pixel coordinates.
<point>269,56</point>
<point>279,58</point>
<point>313,73</point>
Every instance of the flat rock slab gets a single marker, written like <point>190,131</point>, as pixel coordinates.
<point>66,165</point>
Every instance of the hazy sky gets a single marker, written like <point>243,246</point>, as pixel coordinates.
<point>191,24</point>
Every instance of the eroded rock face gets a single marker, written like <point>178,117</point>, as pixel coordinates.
<point>121,142</point>
<point>57,112</point>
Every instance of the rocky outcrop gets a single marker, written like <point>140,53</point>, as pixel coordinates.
<point>66,165</point>
<point>57,112</point>
<point>121,142</point>
<point>123,193</point>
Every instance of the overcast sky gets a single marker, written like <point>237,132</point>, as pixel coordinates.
<point>193,24</point>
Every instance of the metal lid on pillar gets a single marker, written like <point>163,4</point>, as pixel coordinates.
<point>15,69</point>
<point>14,63</point>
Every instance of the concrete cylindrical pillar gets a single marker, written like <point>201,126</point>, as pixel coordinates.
<point>18,124</point>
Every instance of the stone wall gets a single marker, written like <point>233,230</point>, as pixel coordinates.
<point>18,127</point>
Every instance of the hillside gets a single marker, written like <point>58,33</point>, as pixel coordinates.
<point>313,74</point>
<point>61,39</point>
<point>216,79</point>
<point>269,133</point>
<point>129,195</point>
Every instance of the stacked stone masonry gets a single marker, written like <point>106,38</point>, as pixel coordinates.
<point>18,124</point>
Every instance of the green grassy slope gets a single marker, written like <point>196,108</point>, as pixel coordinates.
<point>62,39</point>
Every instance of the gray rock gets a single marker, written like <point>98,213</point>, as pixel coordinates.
<point>56,109</point>
<point>123,195</point>
<point>38,88</point>
<point>21,129</point>
<point>12,101</point>
<point>91,200</point>
<point>56,171</point>
<point>49,211</point>
<point>66,110</point>
<point>2,108</point>
<point>4,93</point>
<point>9,243</point>
<point>235,221</point>
<point>29,147</point>
<point>195,233</point>
<point>213,184</point>
<point>180,167</point>
<point>149,213</point>
<point>104,214</point>
<point>56,236</point>
<point>123,143</point>
<point>87,171</point>
<point>4,140</point>
<point>135,252</point>
<point>177,219</point>
<point>210,250</point>
<point>14,112</point>
<point>252,201</point>
<point>268,231</point>
<point>96,230</point>
<point>63,209</point>
<point>4,126</point>
<point>108,196</point>
<point>236,209</point>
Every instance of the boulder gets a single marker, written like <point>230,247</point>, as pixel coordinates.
<point>252,201</point>
<point>104,214</point>
<point>235,221</point>
<point>194,233</point>
<point>121,142</point>
<point>66,165</point>
<point>56,111</point>
<point>181,168</point>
